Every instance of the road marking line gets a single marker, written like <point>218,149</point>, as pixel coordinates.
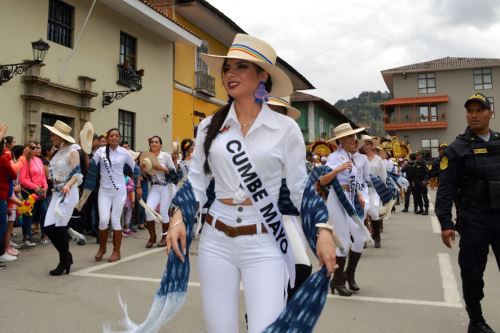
<point>352,298</point>
<point>436,227</point>
<point>450,287</point>
<point>111,264</point>
<point>398,301</point>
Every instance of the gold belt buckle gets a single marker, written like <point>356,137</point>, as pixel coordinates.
<point>231,231</point>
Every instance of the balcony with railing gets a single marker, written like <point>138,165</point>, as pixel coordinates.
<point>127,77</point>
<point>415,113</point>
<point>205,83</point>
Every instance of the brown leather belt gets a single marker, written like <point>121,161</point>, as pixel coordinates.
<point>232,232</point>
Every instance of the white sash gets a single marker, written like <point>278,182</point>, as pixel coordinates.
<point>236,154</point>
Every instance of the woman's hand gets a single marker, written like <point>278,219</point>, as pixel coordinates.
<point>325,250</point>
<point>361,200</point>
<point>138,191</point>
<point>176,233</point>
<point>17,188</point>
<point>65,189</point>
<point>345,166</point>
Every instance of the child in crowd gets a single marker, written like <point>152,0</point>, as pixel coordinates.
<point>129,204</point>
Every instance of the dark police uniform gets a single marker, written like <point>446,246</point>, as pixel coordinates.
<point>470,173</point>
<point>421,178</point>
<point>409,171</point>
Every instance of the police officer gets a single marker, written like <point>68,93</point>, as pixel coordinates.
<point>470,173</point>
<point>409,171</point>
<point>421,181</point>
<point>434,171</point>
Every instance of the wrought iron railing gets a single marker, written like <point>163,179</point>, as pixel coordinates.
<point>125,75</point>
<point>205,83</point>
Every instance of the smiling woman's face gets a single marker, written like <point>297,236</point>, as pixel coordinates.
<point>241,78</point>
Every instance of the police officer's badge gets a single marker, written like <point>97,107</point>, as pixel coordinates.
<point>443,165</point>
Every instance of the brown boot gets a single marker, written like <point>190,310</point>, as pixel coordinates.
<point>164,229</point>
<point>103,238</point>
<point>376,232</point>
<point>117,243</point>
<point>152,234</point>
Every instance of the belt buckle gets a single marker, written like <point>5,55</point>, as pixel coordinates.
<point>231,231</point>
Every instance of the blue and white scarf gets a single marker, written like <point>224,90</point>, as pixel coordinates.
<point>300,314</point>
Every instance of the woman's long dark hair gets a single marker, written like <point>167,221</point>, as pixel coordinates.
<point>186,144</point>
<point>2,144</point>
<point>107,144</point>
<point>219,117</point>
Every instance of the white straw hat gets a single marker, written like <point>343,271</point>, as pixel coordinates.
<point>257,51</point>
<point>62,130</point>
<point>87,137</point>
<point>374,141</point>
<point>285,102</point>
<point>148,161</point>
<point>343,130</point>
<point>134,154</point>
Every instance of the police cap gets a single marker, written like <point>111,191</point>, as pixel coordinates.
<point>479,98</point>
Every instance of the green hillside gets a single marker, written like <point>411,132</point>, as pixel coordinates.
<point>365,110</point>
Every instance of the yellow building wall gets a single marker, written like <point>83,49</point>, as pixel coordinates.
<point>184,103</point>
<point>96,56</point>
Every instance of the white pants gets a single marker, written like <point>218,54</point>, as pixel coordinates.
<point>223,261</point>
<point>59,213</point>
<point>366,198</point>
<point>111,204</point>
<point>345,227</point>
<point>159,195</point>
<point>375,204</point>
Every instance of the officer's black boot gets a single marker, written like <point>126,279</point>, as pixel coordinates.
<point>338,282</point>
<point>418,211</point>
<point>479,327</point>
<point>405,210</point>
<point>426,211</point>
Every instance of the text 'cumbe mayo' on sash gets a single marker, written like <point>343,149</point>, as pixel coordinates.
<point>237,155</point>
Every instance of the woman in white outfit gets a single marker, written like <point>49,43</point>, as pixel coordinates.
<point>162,191</point>
<point>187,149</point>
<point>346,172</point>
<point>65,174</point>
<point>236,243</point>
<point>377,169</point>
<point>111,160</point>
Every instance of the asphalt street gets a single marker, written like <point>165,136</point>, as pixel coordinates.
<point>412,284</point>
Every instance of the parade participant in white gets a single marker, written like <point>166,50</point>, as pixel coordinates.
<point>363,175</point>
<point>112,191</point>
<point>65,174</point>
<point>345,171</point>
<point>377,169</point>
<point>162,190</point>
<point>248,149</point>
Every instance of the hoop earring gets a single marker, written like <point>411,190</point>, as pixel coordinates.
<point>261,95</point>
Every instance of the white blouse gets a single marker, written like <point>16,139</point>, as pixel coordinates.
<point>361,162</point>
<point>338,157</point>
<point>113,177</point>
<point>276,146</point>
<point>166,161</point>
<point>377,167</point>
<point>62,165</point>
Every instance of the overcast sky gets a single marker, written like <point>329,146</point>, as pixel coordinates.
<point>341,46</point>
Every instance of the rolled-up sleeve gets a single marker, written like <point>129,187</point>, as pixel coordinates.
<point>197,177</point>
<point>295,167</point>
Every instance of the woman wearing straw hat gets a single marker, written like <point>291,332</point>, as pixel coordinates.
<point>109,161</point>
<point>66,176</point>
<point>377,169</point>
<point>247,148</point>
<point>348,194</point>
<point>160,166</point>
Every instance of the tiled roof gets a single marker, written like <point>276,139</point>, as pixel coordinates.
<point>300,97</point>
<point>416,100</point>
<point>447,63</point>
<point>158,10</point>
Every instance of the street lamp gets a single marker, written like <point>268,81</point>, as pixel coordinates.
<point>7,72</point>
<point>135,84</point>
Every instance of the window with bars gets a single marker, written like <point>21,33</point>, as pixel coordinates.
<point>426,83</point>
<point>482,79</point>
<point>430,147</point>
<point>61,21</point>
<point>128,50</point>
<point>201,66</point>
<point>126,125</point>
